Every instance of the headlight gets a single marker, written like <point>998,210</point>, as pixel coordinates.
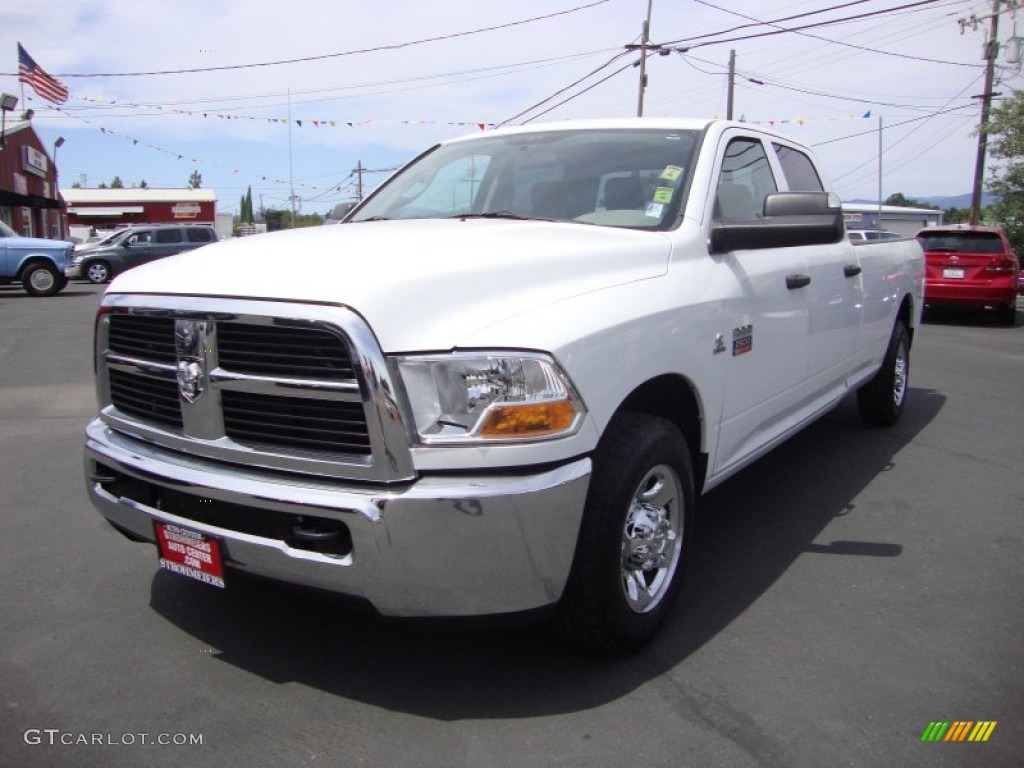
<point>493,397</point>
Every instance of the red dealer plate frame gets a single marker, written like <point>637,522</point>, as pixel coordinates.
<point>189,553</point>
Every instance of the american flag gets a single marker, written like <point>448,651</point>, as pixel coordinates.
<point>47,86</point>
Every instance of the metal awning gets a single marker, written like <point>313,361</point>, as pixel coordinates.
<point>29,201</point>
<point>120,210</point>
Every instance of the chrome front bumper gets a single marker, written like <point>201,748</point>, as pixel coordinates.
<point>73,271</point>
<point>438,546</point>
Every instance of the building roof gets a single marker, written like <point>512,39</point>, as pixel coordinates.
<point>75,196</point>
<point>14,127</point>
<point>893,209</point>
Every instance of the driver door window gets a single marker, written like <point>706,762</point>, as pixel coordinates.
<point>745,179</point>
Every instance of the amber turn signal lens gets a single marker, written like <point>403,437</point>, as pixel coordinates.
<point>526,420</point>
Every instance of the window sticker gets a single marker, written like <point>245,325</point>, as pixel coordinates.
<point>654,210</point>
<point>671,173</point>
<point>663,195</point>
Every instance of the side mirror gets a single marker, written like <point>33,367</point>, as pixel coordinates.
<point>788,219</point>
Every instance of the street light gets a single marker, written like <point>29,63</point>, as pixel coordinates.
<point>7,104</point>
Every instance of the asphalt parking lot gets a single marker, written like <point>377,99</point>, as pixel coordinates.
<point>846,591</point>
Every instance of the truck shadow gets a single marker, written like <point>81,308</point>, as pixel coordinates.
<point>980,318</point>
<point>749,532</point>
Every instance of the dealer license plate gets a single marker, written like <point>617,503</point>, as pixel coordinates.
<point>953,273</point>
<point>189,553</point>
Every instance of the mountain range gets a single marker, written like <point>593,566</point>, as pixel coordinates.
<point>943,201</point>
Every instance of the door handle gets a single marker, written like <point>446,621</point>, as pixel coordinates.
<point>851,270</point>
<point>797,281</point>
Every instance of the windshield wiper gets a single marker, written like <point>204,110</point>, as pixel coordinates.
<point>500,215</point>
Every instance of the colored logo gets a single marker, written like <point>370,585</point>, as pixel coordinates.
<point>959,730</point>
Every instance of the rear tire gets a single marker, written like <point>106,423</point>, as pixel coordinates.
<point>42,279</point>
<point>634,539</point>
<point>881,400</point>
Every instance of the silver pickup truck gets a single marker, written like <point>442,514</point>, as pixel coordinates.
<point>502,382</point>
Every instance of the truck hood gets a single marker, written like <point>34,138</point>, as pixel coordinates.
<point>35,244</point>
<point>422,285</point>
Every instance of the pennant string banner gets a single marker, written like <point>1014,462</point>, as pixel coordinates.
<point>135,142</point>
<point>317,123</point>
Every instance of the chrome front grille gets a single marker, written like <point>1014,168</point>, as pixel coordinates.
<point>287,387</point>
<point>150,338</point>
<point>281,350</point>
<point>151,398</point>
<point>321,425</point>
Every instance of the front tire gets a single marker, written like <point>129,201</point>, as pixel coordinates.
<point>97,272</point>
<point>41,279</point>
<point>634,539</point>
<point>881,400</point>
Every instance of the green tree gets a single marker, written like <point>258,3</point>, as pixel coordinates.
<point>956,215</point>
<point>103,185</point>
<point>898,198</point>
<point>117,183</point>
<point>275,218</point>
<point>245,215</point>
<point>195,181</point>
<point>143,184</point>
<point>1005,130</point>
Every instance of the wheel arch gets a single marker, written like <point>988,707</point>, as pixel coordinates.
<point>32,261</point>
<point>905,314</point>
<point>674,398</point>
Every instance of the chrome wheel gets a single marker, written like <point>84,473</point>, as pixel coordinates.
<point>97,272</point>
<point>899,376</point>
<point>652,538</point>
<point>42,280</point>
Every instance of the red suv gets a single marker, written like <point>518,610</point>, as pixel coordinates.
<point>970,266</point>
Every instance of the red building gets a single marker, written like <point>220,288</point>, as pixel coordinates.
<point>30,202</point>
<point>105,209</point>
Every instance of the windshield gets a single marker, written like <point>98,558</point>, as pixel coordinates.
<point>110,238</point>
<point>6,231</point>
<point>619,178</point>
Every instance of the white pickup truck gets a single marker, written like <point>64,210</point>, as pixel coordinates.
<point>502,382</point>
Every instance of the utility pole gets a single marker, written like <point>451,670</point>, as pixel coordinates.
<point>991,51</point>
<point>645,38</point>
<point>732,84</point>
<point>358,171</point>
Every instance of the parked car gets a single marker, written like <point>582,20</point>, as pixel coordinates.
<point>867,235</point>
<point>137,245</point>
<point>971,266</point>
<point>39,264</point>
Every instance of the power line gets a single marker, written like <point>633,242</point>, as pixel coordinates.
<point>573,84</point>
<point>831,22</point>
<point>839,42</point>
<point>391,47</point>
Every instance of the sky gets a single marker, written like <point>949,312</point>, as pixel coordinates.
<point>382,81</point>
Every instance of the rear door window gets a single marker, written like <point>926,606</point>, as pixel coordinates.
<point>799,170</point>
<point>166,236</point>
<point>199,235</point>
